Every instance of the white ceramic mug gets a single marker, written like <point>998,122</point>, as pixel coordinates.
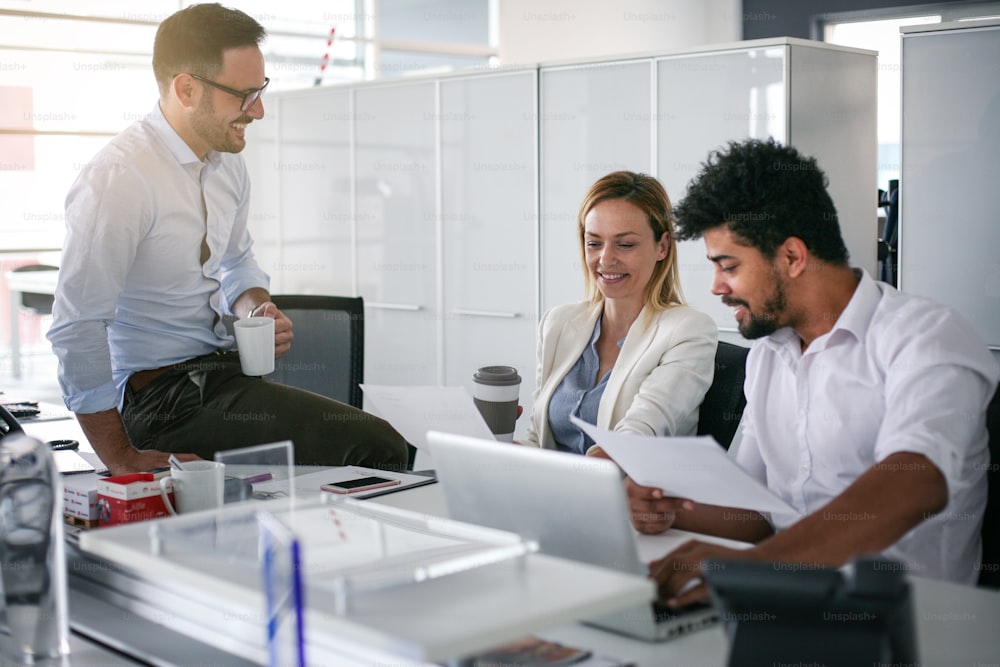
<point>199,486</point>
<point>255,343</point>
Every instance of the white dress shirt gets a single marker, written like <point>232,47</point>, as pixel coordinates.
<point>132,292</point>
<point>897,373</point>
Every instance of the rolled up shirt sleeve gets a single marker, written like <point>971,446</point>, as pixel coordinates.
<point>107,212</point>
<point>936,402</point>
<point>239,268</point>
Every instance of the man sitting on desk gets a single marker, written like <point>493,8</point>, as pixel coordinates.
<point>157,254</point>
<point>865,406</point>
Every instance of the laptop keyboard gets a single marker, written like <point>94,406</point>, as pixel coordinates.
<point>679,625</point>
<point>663,613</point>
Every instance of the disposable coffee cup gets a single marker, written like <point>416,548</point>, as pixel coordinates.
<point>495,393</point>
<point>255,343</point>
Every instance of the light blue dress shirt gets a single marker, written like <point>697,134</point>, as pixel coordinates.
<point>133,293</point>
<point>578,396</point>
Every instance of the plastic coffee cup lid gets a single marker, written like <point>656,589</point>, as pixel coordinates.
<point>497,376</point>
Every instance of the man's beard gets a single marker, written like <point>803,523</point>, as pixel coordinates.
<point>210,130</point>
<point>764,323</point>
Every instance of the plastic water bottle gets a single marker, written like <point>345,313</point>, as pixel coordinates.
<point>34,620</point>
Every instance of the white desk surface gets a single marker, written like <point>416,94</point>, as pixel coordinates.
<point>42,281</point>
<point>957,626</point>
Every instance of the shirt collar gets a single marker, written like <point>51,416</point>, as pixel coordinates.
<point>854,319</point>
<point>857,316</point>
<point>173,141</point>
<point>597,334</point>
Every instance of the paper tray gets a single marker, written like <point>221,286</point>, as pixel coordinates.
<point>401,584</point>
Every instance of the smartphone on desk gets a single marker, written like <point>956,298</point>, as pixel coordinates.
<point>360,484</point>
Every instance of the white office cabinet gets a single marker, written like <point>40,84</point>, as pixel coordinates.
<point>298,156</point>
<point>488,212</point>
<point>594,119</point>
<point>264,220</point>
<point>949,229</point>
<point>313,173</point>
<point>395,182</point>
<point>450,203</point>
<point>816,97</point>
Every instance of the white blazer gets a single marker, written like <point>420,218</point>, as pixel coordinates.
<point>657,384</point>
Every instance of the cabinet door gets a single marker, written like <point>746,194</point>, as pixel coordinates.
<point>948,227</point>
<point>704,101</point>
<point>595,119</point>
<point>313,172</point>
<point>264,220</point>
<point>833,117</point>
<point>488,218</point>
<point>396,247</point>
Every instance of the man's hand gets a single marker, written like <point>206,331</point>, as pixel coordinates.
<point>106,434</point>
<point>599,453</point>
<point>282,327</point>
<point>139,460</point>
<point>651,512</point>
<point>683,567</point>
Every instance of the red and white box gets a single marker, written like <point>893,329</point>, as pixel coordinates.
<point>128,498</point>
<point>80,496</point>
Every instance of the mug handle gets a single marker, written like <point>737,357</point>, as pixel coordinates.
<point>164,482</point>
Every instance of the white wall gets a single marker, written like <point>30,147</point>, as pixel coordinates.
<point>544,30</point>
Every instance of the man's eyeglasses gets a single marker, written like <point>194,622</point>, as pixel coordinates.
<point>249,98</point>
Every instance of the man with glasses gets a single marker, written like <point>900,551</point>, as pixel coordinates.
<point>158,258</point>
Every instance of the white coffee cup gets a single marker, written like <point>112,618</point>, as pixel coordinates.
<point>255,342</point>
<point>199,486</point>
<point>494,391</point>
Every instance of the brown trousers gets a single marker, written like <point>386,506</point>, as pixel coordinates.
<point>206,405</point>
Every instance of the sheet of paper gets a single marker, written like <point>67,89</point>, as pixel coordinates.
<point>415,410</point>
<point>687,467</point>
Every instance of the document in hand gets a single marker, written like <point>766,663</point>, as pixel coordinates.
<point>696,468</point>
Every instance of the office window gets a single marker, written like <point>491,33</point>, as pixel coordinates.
<point>878,30</point>
<point>73,73</point>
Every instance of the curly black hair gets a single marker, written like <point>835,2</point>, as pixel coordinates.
<point>764,192</point>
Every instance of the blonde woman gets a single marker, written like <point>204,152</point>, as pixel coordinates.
<point>632,357</point>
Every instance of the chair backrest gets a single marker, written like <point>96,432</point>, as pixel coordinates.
<point>33,302</point>
<point>722,409</point>
<point>989,575</point>
<point>328,351</point>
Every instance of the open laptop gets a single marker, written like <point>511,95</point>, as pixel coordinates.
<point>573,506</point>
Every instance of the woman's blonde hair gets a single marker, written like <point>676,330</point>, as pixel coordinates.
<point>663,290</point>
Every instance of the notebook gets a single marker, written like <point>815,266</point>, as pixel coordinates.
<point>573,506</point>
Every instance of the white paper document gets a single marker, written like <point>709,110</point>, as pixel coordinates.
<point>415,410</point>
<point>687,467</point>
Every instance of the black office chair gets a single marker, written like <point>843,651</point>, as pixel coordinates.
<point>721,410</point>
<point>989,575</point>
<point>328,351</point>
